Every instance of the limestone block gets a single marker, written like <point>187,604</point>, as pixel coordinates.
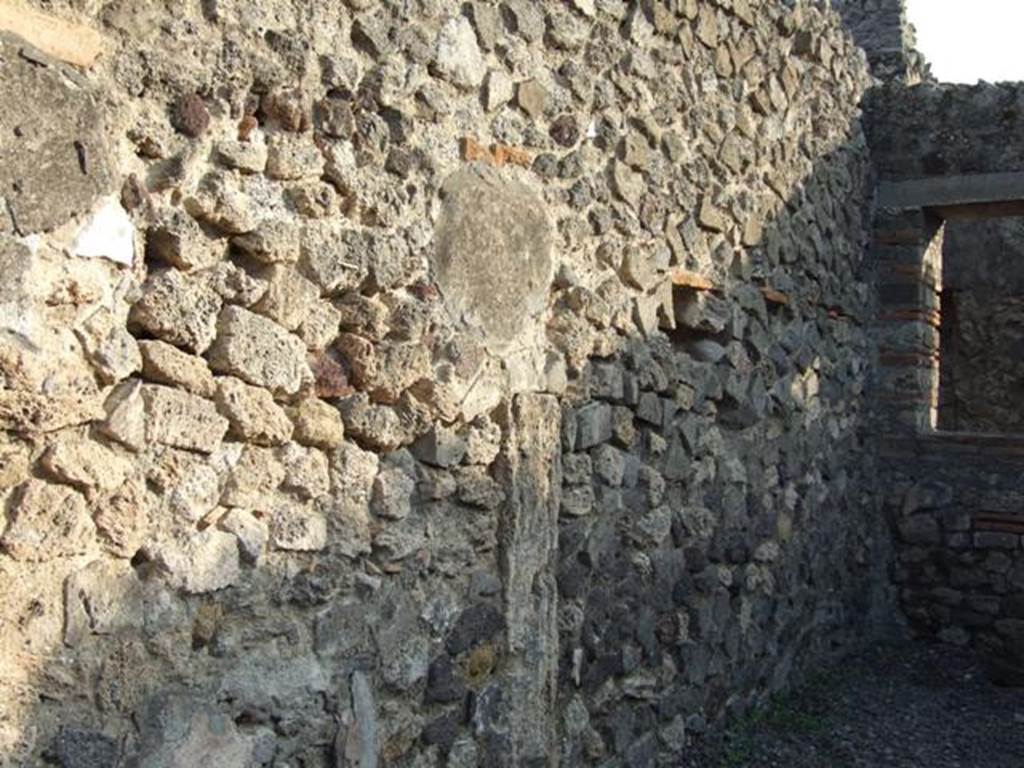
<point>288,298</point>
<point>123,517</point>
<point>194,490</point>
<point>387,369</point>
<point>259,351</point>
<point>14,465</point>
<point>274,241</point>
<point>33,413</point>
<point>483,441</point>
<point>377,426</point>
<point>254,479</point>
<point>319,329</point>
<point>126,415</point>
<point>306,471</point>
<point>441,447</point>
<point>331,257</point>
<point>176,239</point>
<point>365,316</point>
<point>177,309</point>
<point>245,156</point>
<point>181,420</point>
<point>86,464</point>
<point>251,531</point>
<point>628,184</point>
<point>293,156</point>
<point>458,58</point>
<point>222,202</point>
<point>498,90</point>
<point>47,521</point>
<point>317,423</point>
<point>297,527</point>
<point>252,413</point>
<point>112,351</point>
<point>166,364</point>
<point>202,562</point>
<point>108,233</point>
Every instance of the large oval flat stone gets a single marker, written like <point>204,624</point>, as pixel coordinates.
<point>493,260</point>
<point>54,160</point>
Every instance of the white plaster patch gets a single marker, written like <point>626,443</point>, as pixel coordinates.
<point>108,234</point>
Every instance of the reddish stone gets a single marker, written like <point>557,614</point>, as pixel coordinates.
<point>330,376</point>
<point>191,117</point>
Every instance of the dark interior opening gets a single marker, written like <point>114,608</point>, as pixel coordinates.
<point>981,362</point>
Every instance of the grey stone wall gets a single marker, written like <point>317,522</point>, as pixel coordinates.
<point>945,130</point>
<point>429,383</point>
<point>947,155</point>
<point>955,508</point>
<point>882,29</point>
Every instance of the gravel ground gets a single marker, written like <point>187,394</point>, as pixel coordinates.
<point>909,706</point>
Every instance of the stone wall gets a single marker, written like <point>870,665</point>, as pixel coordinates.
<point>983,318</point>
<point>882,29</point>
<point>956,505</point>
<point>949,167</point>
<point>945,130</point>
<point>412,384</point>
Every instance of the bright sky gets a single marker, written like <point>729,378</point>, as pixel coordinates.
<point>970,40</point>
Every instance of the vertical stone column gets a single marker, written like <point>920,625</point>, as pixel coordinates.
<point>530,471</point>
<point>908,254</point>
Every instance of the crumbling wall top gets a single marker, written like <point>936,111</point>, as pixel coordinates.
<point>882,29</point>
<point>946,130</point>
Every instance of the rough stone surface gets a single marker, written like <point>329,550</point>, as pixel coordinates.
<point>508,384</point>
<point>178,311</point>
<point>181,420</point>
<point>47,522</point>
<point>163,363</point>
<point>483,215</point>
<point>54,139</point>
<point>259,351</point>
<point>205,562</point>
<point>294,527</point>
<point>86,465</point>
<point>317,423</point>
<point>253,415</point>
<point>458,55</point>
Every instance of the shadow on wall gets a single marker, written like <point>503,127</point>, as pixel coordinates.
<point>684,489</point>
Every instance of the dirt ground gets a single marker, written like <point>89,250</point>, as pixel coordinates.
<point>905,706</point>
